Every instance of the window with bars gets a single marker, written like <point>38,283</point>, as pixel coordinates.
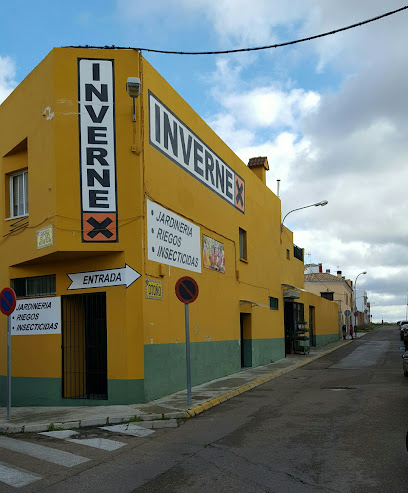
<point>27,287</point>
<point>19,194</point>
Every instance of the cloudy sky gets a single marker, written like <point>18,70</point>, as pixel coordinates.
<point>330,114</point>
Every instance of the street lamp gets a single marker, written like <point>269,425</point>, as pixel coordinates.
<point>322,203</point>
<point>406,309</point>
<point>355,298</point>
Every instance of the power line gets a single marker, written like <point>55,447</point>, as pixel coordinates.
<point>257,48</point>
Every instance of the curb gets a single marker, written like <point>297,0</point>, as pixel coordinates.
<point>173,416</point>
<point>156,420</point>
<point>194,411</point>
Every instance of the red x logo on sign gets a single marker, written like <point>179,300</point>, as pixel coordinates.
<point>99,226</point>
<point>239,193</point>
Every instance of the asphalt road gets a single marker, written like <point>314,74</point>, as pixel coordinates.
<point>335,425</point>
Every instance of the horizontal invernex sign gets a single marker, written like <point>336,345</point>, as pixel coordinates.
<point>169,135</point>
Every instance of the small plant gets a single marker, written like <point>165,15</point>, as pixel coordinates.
<point>52,427</point>
<point>135,419</point>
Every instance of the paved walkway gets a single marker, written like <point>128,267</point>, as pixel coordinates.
<point>171,407</point>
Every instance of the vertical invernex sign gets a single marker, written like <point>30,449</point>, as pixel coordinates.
<point>97,150</point>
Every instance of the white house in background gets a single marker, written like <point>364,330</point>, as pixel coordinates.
<point>363,307</point>
<point>331,287</point>
<point>313,268</point>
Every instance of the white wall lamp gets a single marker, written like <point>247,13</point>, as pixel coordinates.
<point>322,203</point>
<point>134,88</point>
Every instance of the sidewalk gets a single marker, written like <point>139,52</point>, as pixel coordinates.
<point>162,412</point>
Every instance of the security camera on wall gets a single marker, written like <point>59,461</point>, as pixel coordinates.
<point>133,87</point>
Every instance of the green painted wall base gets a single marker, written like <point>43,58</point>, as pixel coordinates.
<point>265,351</point>
<point>165,364</point>
<point>30,391</point>
<point>165,373</point>
<point>322,340</point>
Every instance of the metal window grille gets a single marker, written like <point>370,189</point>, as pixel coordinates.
<point>84,346</point>
<point>26,287</point>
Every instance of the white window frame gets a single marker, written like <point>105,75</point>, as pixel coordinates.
<point>13,203</point>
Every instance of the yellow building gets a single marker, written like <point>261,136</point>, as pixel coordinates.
<point>110,197</point>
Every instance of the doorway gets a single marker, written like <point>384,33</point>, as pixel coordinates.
<point>246,340</point>
<point>289,322</point>
<point>84,346</point>
<point>312,326</point>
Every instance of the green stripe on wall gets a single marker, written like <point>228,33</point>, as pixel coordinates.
<point>265,351</point>
<point>165,373</point>
<point>30,391</point>
<point>323,339</point>
<point>165,364</point>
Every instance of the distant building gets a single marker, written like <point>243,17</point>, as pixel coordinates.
<point>363,307</point>
<point>333,288</point>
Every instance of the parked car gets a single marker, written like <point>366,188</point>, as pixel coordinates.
<point>402,326</point>
<point>405,336</point>
<point>405,363</point>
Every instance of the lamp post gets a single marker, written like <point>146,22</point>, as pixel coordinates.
<point>406,309</point>
<point>355,298</point>
<point>321,203</point>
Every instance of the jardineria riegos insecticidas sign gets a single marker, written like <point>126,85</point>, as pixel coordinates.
<point>172,240</point>
<point>37,316</point>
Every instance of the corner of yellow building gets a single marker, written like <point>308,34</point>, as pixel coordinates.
<point>114,190</point>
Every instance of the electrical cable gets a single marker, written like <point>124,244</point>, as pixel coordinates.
<point>240,50</point>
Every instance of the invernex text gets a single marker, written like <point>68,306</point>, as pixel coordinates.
<point>169,135</point>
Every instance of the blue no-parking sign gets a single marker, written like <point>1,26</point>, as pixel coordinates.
<point>7,306</point>
<point>7,301</point>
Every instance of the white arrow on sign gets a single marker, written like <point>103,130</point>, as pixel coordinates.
<point>103,278</point>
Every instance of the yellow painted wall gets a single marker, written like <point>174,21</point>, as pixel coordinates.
<point>215,315</point>
<point>326,313</point>
<point>52,155</point>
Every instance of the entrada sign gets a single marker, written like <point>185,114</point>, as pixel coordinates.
<point>169,135</point>
<point>96,113</point>
<point>103,278</point>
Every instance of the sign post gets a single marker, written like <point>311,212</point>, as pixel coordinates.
<point>187,292</point>
<point>7,305</point>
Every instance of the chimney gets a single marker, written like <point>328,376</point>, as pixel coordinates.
<point>339,273</point>
<point>259,166</point>
<point>327,271</point>
<point>320,268</point>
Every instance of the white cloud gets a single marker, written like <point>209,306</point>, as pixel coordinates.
<point>345,144</point>
<point>7,75</point>
<point>329,114</point>
<point>268,106</point>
